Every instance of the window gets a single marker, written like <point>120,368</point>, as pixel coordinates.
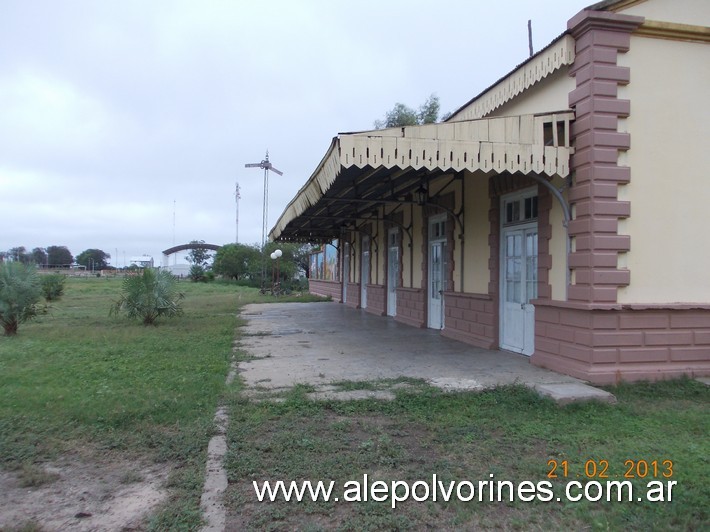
<point>520,210</point>
<point>437,229</point>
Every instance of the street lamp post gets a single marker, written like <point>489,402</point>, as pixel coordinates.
<point>276,272</point>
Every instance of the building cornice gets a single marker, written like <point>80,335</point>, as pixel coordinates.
<point>673,31</point>
<point>586,21</point>
<point>619,5</point>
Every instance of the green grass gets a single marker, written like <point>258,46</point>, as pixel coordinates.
<point>509,432</point>
<point>75,377</point>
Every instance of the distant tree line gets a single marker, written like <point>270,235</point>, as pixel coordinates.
<point>56,257</point>
<point>402,115</point>
<point>247,263</point>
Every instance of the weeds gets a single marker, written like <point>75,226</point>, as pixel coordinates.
<point>75,377</point>
<point>33,476</point>
<point>508,432</point>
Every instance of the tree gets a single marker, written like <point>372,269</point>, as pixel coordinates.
<point>39,256</point>
<point>93,259</point>
<point>18,254</point>
<point>19,292</point>
<point>293,260</point>
<point>197,273</point>
<point>148,296</point>
<point>401,115</point>
<point>238,261</point>
<point>429,110</point>
<point>198,256</point>
<point>58,256</point>
<point>301,258</point>
<point>53,286</point>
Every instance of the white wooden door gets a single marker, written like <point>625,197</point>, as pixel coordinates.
<point>518,287</point>
<point>365,270</point>
<point>392,280</point>
<point>437,283</point>
<point>392,271</point>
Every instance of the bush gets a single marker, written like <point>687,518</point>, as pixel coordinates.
<point>197,273</point>
<point>19,292</point>
<point>53,286</point>
<point>148,296</point>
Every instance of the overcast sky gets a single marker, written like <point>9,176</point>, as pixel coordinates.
<point>125,125</point>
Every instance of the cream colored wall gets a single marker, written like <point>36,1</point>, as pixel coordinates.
<point>696,12</point>
<point>549,94</point>
<point>670,164</point>
<point>558,248</point>
<point>476,251</point>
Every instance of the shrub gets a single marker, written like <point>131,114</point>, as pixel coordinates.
<point>19,292</point>
<point>53,286</point>
<point>148,296</point>
<point>197,273</point>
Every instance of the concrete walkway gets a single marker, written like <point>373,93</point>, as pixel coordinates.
<point>321,343</point>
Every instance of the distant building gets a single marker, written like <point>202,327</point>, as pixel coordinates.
<point>179,270</point>
<point>144,261</point>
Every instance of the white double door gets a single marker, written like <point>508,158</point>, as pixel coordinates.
<point>518,287</point>
<point>392,279</point>
<point>364,270</point>
<point>437,283</point>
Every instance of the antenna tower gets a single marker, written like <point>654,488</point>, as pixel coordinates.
<point>237,197</point>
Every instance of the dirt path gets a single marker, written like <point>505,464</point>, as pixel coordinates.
<point>86,491</point>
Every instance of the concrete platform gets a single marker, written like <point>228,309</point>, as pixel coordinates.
<point>324,343</point>
<point>574,392</point>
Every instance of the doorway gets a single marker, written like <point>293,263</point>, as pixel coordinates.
<point>437,271</point>
<point>392,271</point>
<point>519,252</point>
<point>365,270</point>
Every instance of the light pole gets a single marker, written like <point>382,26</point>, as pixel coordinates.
<point>276,272</point>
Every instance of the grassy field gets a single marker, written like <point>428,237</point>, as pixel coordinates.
<point>509,432</point>
<point>76,377</point>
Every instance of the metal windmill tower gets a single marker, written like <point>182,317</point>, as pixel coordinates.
<point>266,166</point>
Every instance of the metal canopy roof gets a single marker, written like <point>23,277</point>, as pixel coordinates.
<point>363,171</point>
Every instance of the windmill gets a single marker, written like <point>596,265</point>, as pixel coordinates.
<point>266,166</point>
